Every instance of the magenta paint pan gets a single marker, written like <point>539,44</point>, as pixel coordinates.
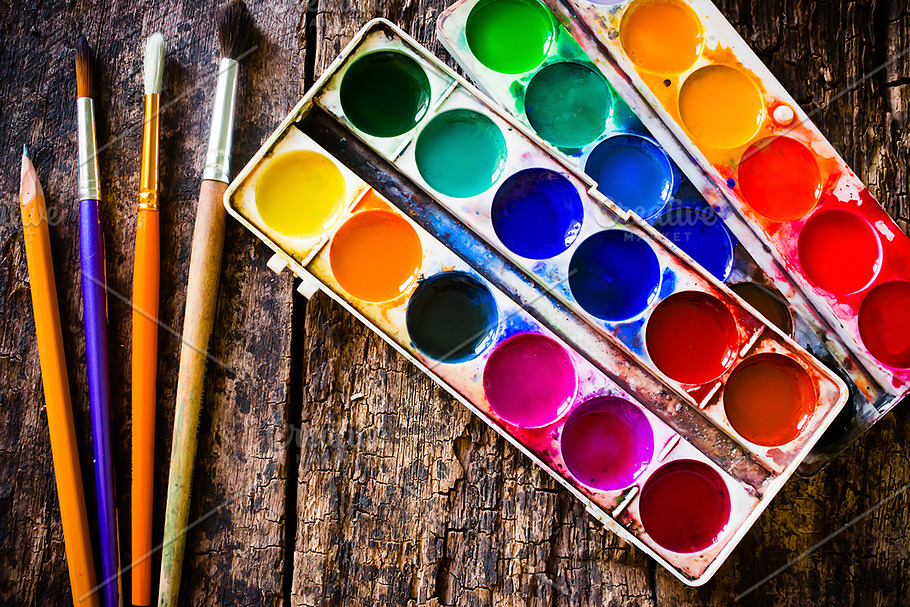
<point>523,350</point>
<point>576,31</point>
<point>529,380</point>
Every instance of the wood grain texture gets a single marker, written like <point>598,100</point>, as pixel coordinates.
<point>382,490</point>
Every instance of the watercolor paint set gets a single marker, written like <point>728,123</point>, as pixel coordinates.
<point>676,120</point>
<point>638,381</point>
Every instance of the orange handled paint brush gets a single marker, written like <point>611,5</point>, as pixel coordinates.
<point>146,276</point>
<point>73,514</point>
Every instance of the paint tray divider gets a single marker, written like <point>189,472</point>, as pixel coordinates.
<point>626,530</point>
<point>831,332</point>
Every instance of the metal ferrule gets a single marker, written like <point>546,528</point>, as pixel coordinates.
<point>218,157</point>
<point>148,170</point>
<point>89,185</point>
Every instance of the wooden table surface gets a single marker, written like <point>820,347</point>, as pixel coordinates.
<point>331,472</point>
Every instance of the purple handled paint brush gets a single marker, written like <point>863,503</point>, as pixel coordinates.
<point>94,311</point>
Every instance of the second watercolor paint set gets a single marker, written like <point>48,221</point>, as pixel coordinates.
<point>638,380</point>
<point>676,119</point>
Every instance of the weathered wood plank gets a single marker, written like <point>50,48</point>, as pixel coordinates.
<point>31,540</point>
<point>402,497</point>
<point>235,556</point>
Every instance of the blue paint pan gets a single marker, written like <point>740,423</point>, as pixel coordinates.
<point>633,172</point>
<point>614,275</point>
<point>537,213</point>
<point>702,235</point>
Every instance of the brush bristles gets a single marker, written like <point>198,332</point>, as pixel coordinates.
<point>154,63</point>
<point>235,29</point>
<point>83,68</point>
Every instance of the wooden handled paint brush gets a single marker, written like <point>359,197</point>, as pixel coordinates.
<point>94,310</point>
<point>76,538</point>
<point>235,30</point>
<point>146,276</point>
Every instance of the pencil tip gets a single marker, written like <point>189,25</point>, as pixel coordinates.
<point>28,180</point>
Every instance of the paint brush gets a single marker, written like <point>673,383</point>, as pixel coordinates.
<point>94,310</point>
<point>67,473</point>
<point>146,276</point>
<point>235,31</point>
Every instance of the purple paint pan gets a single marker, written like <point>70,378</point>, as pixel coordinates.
<point>607,443</point>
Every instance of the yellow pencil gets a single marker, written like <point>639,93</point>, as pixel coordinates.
<point>73,515</point>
